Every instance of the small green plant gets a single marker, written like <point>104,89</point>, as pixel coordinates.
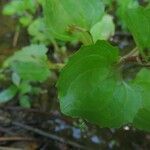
<point>28,66</point>
<point>92,85</point>
<point>26,12</point>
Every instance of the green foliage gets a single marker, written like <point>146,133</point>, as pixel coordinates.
<point>29,65</point>
<point>104,29</point>
<point>139,29</point>
<point>38,32</point>
<point>70,20</point>
<point>25,101</point>
<point>90,87</point>
<point>8,94</point>
<point>122,8</point>
<point>142,118</point>
<point>22,8</point>
<point>25,11</point>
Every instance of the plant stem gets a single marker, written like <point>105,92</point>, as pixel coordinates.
<point>131,56</point>
<point>55,66</point>
<point>86,37</point>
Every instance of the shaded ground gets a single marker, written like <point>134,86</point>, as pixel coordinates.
<point>43,127</point>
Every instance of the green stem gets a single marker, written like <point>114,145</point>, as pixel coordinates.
<point>55,66</point>
<point>86,37</point>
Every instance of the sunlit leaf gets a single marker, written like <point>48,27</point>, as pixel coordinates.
<point>104,29</point>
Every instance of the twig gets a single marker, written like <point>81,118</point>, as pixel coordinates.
<point>9,148</point>
<point>131,56</point>
<point>57,66</point>
<point>2,139</point>
<point>48,135</point>
<point>16,37</point>
<point>4,130</point>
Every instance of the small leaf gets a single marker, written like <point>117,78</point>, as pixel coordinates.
<point>30,63</point>
<point>24,88</point>
<point>33,53</point>
<point>25,101</point>
<point>139,29</point>
<point>38,32</point>
<point>25,20</point>
<point>142,119</point>
<point>104,29</point>
<point>31,71</point>
<point>8,94</point>
<point>90,87</point>
<point>15,79</point>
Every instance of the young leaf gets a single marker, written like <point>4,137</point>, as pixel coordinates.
<point>138,22</point>
<point>104,29</point>
<point>8,94</point>
<point>24,88</point>
<point>65,17</point>
<point>142,119</point>
<point>30,63</point>
<point>33,53</point>
<point>31,71</point>
<point>38,32</point>
<point>15,79</point>
<point>25,101</point>
<point>91,88</point>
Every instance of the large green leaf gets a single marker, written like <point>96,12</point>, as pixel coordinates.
<point>138,22</point>
<point>61,14</point>
<point>91,88</point>
<point>142,119</point>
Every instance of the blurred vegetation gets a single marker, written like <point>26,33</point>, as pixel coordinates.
<point>40,49</point>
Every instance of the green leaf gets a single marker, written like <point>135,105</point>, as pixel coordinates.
<point>25,101</point>
<point>123,6</point>
<point>15,79</point>
<point>64,18</point>
<point>18,7</point>
<point>142,119</point>
<point>24,88</point>
<point>13,7</point>
<point>25,20</point>
<point>139,29</point>
<point>8,94</point>
<point>31,71</point>
<point>32,53</point>
<point>107,2</point>
<point>90,87</point>
<point>38,32</point>
<point>104,29</point>
<point>30,63</point>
